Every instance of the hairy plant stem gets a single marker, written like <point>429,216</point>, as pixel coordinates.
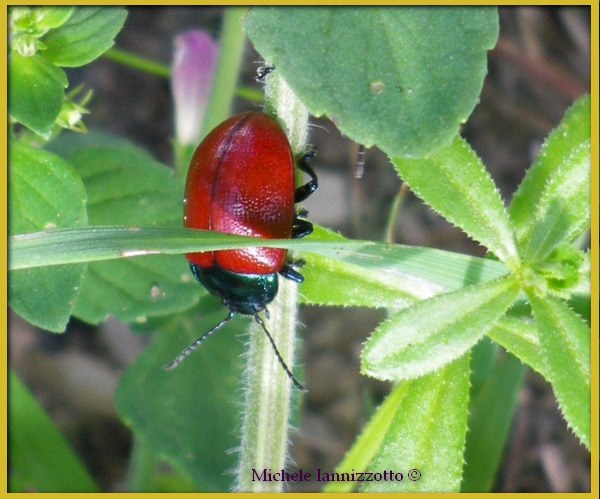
<point>268,390</point>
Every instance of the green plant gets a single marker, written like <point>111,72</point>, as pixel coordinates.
<point>75,217</point>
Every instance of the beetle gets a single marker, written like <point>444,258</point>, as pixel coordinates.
<point>241,181</point>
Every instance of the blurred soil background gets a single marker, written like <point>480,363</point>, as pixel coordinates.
<point>540,66</point>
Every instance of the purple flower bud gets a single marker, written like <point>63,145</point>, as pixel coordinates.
<point>194,66</point>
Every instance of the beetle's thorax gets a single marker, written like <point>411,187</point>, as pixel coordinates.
<point>242,293</point>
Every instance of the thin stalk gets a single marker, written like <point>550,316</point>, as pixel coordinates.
<point>250,93</point>
<point>231,51</point>
<point>163,71</point>
<point>224,88</point>
<point>268,389</point>
<point>136,62</point>
<point>395,213</point>
<point>182,155</point>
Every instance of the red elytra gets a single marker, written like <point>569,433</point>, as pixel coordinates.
<point>241,181</point>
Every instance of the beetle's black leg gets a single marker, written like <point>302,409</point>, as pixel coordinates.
<point>307,189</point>
<point>288,272</point>
<point>196,270</point>
<point>301,228</point>
<point>263,71</point>
<point>297,262</point>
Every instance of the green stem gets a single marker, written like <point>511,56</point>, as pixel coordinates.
<point>182,155</point>
<point>268,389</point>
<point>281,102</point>
<point>268,392</point>
<point>231,51</point>
<point>251,94</point>
<point>395,213</point>
<point>163,71</point>
<point>224,88</point>
<point>136,62</point>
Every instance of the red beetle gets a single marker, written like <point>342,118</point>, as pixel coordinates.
<point>241,181</point>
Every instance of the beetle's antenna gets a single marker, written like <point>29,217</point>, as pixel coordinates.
<point>281,361</point>
<point>183,355</point>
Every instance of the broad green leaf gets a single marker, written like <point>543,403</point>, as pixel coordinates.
<point>134,289</point>
<point>427,434</point>
<point>36,91</point>
<point>40,458</point>
<point>68,144</point>
<point>45,192</point>
<point>565,342</point>
<point>401,78</point>
<point>520,337</point>
<point>552,204</point>
<point>128,188</point>
<point>88,33</point>
<point>496,381</point>
<point>189,415</point>
<point>455,183</point>
<point>371,439</point>
<point>422,338</point>
<point>53,17</point>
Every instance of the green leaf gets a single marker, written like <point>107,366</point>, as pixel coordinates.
<point>333,283</point>
<point>370,440</point>
<point>412,275</point>
<point>36,91</point>
<point>401,78</point>
<point>45,193</point>
<point>563,210</point>
<point>188,416</point>
<point>106,243</point>
<point>496,382</point>
<point>552,205</point>
<point>40,458</point>
<point>88,33</point>
<point>520,337</point>
<point>134,289</point>
<point>67,145</point>
<point>53,17</point>
<point>562,272</point>
<point>565,342</point>
<point>422,338</point>
<point>125,187</point>
<point>455,183</point>
<point>427,434</point>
